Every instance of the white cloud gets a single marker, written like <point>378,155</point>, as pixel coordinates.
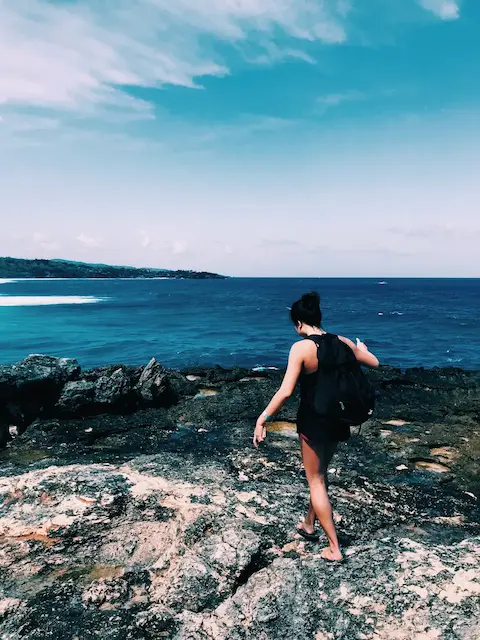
<point>178,248</point>
<point>335,99</point>
<point>235,130</point>
<point>444,9</point>
<point>89,241</point>
<point>77,56</point>
<point>45,242</point>
<point>439,232</point>
<point>23,123</point>
<point>38,237</point>
<point>236,19</point>
<point>145,239</point>
<point>332,100</point>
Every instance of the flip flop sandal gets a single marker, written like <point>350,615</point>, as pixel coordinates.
<point>311,537</point>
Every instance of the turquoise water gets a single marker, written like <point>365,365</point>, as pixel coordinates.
<point>236,322</point>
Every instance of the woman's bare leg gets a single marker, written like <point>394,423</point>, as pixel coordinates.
<point>309,522</point>
<point>316,463</point>
<point>310,519</point>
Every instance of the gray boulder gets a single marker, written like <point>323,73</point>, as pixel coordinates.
<point>111,390</point>
<point>8,383</point>
<point>4,434</point>
<point>37,369</point>
<point>153,384</point>
<point>31,387</point>
<point>77,396</point>
<point>36,372</point>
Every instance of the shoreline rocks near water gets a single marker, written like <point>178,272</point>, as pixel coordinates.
<point>132,505</point>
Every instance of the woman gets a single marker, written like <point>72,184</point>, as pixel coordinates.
<point>317,454</point>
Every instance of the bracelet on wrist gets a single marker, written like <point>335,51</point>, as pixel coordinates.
<point>266,416</point>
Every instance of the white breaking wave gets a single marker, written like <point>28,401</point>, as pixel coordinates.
<point>39,301</point>
<point>6,280</point>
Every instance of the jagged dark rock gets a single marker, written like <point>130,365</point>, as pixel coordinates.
<point>48,387</point>
<point>152,384</point>
<point>33,386</point>
<point>76,398</point>
<point>146,513</point>
<point>109,390</point>
<point>4,433</point>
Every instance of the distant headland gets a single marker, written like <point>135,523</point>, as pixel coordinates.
<point>42,268</point>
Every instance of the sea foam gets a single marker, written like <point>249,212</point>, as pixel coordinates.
<point>38,301</point>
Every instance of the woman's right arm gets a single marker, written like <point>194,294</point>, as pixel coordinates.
<point>361,352</point>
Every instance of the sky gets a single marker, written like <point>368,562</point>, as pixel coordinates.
<point>247,137</point>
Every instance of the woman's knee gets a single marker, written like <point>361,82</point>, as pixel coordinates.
<point>317,478</point>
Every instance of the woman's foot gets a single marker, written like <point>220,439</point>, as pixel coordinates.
<point>331,555</point>
<point>307,526</point>
<point>307,531</point>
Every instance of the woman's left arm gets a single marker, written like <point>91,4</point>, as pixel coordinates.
<point>295,363</point>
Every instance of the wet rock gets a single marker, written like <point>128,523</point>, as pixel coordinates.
<point>32,386</point>
<point>430,465</point>
<point>44,387</point>
<point>101,393</point>
<point>5,435</point>
<point>219,375</point>
<point>437,391</point>
<point>182,385</point>
<point>112,390</point>
<point>37,370</point>
<point>138,432</point>
<point>76,397</point>
<point>152,386</point>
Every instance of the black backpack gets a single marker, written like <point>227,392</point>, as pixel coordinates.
<point>343,393</point>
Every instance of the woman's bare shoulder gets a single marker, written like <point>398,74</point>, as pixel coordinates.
<point>350,343</point>
<point>301,347</point>
<point>298,346</point>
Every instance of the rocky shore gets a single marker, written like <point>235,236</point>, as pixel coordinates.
<point>133,506</point>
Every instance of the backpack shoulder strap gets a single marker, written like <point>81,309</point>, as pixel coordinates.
<point>319,338</point>
<point>325,352</point>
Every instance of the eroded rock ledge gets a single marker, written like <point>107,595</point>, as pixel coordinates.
<point>133,506</point>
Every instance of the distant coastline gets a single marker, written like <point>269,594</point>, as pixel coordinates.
<point>16,268</point>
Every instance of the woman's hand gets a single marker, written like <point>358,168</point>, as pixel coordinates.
<point>295,363</point>
<point>260,432</point>
<point>361,346</point>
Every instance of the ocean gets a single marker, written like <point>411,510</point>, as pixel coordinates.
<point>236,322</point>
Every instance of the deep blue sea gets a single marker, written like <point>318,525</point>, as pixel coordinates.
<point>240,321</point>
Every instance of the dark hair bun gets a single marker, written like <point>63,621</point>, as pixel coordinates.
<point>311,300</point>
<point>307,310</point>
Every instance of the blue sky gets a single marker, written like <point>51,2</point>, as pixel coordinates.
<point>249,137</point>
